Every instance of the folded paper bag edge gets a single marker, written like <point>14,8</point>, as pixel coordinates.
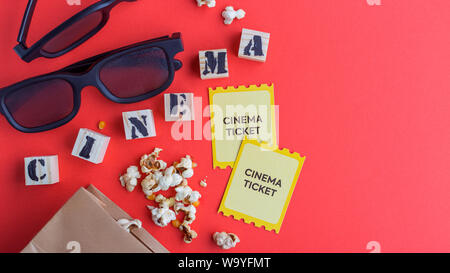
<point>32,246</point>
<point>117,213</point>
<point>110,209</point>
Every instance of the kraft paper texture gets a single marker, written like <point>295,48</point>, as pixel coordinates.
<point>87,224</point>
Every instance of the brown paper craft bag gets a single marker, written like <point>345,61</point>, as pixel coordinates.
<point>87,223</point>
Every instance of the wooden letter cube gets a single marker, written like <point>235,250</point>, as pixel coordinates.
<point>41,170</point>
<point>254,45</point>
<point>213,64</point>
<point>90,146</point>
<point>138,124</point>
<point>179,106</point>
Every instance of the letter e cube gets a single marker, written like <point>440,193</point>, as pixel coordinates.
<point>179,106</point>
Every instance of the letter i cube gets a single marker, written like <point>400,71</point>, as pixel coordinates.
<point>138,124</point>
<point>41,170</point>
<point>90,146</point>
<point>254,45</point>
<point>213,64</point>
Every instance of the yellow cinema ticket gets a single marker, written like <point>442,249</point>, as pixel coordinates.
<point>261,184</point>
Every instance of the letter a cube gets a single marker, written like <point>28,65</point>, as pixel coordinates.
<point>41,170</point>
<point>138,124</point>
<point>213,64</point>
<point>254,45</point>
<point>90,146</point>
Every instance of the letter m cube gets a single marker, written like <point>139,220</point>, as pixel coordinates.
<point>213,64</point>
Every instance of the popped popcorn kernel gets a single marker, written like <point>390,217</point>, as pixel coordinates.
<point>170,179</point>
<point>150,185</point>
<point>189,212</point>
<point>189,234</point>
<point>226,240</point>
<point>151,162</point>
<point>229,14</point>
<point>186,194</point>
<point>162,216</point>
<point>208,3</point>
<point>203,183</point>
<point>184,167</point>
<point>129,179</point>
<point>164,202</point>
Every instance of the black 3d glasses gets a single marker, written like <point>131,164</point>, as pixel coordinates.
<point>67,36</point>
<point>125,75</point>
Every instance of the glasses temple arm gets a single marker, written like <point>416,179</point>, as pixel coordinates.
<point>26,21</point>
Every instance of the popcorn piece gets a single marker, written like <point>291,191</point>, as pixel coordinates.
<point>209,3</point>
<point>185,167</point>
<point>188,210</point>
<point>150,163</point>
<point>157,181</point>
<point>184,183</point>
<point>170,179</point>
<point>127,224</point>
<point>186,194</point>
<point>129,180</point>
<point>203,183</point>
<point>162,216</point>
<point>150,185</point>
<point>164,202</point>
<point>226,240</point>
<point>189,234</point>
<point>229,14</point>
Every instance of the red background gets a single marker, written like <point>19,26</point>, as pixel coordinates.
<point>363,94</point>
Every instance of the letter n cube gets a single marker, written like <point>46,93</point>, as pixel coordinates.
<point>138,124</point>
<point>90,146</point>
<point>254,45</point>
<point>213,64</point>
<point>41,170</point>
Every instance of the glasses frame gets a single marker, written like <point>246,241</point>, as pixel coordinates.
<point>87,73</point>
<point>36,50</point>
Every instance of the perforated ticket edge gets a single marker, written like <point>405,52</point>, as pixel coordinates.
<point>250,219</point>
<point>232,89</point>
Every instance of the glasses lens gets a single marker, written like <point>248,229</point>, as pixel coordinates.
<point>135,73</point>
<point>41,103</point>
<point>73,33</point>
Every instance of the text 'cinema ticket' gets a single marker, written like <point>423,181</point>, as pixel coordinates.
<point>261,184</point>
